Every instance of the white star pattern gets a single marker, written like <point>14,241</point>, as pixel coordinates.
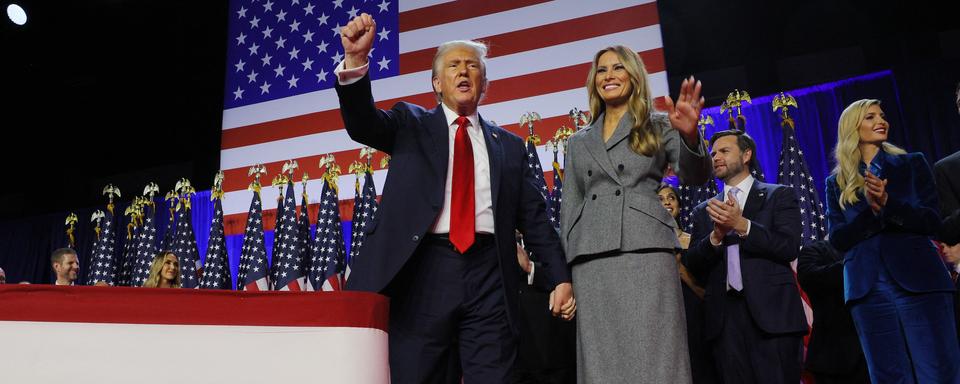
<point>284,34</point>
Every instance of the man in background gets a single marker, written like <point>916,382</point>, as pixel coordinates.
<point>66,266</point>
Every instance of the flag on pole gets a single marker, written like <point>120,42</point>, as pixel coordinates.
<point>556,196</point>
<point>289,275</point>
<point>185,242</point>
<point>128,262</point>
<point>794,172</point>
<point>167,243</point>
<point>103,263</point>
<point>328,252</point>
<point>303,221</point>
<point>279,182</point>
<point>253,274</point>
<point>364,213</point>
<point>146,247</point>
<point>216,268</point>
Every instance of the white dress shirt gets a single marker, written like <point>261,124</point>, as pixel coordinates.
<point>481,162</point>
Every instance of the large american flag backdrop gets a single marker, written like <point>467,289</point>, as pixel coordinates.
<point>279,98</point>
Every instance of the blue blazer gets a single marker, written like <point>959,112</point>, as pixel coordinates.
<point>769,286</point>
<point>898,238</point>
<point>417,141</point>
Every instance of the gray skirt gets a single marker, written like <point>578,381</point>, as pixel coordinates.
<point>631,326</point>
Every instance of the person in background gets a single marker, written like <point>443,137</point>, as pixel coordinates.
<point>947,173</point>
<point>66,266</point>
<point>834,355</point>
<point>547,352</point>
<point>702,366</point>
<point>164,271</point>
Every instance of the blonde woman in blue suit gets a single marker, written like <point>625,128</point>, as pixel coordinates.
<point>882,212</point>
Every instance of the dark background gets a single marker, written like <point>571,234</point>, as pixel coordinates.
<point>130,91</point>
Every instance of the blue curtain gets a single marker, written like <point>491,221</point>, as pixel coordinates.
<point>816,121</point>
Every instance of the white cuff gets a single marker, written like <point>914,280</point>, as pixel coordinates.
<point>350,76</point>
<point>533,268</point>
<point>747,233</point>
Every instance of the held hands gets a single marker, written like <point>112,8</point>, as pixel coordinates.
<point>562,302</point>
<point>875,191</point>
<point>686,112</point>
<point>357,40</point>
<point>727,216</point>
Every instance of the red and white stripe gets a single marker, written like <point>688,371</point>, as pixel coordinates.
<point>540,53</point>
<point>151,335</point>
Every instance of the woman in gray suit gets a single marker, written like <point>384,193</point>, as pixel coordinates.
<point>617,236</point>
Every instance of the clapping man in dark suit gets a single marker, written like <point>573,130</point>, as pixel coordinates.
<point>947,173</point>
<point>746,238</point>
<point>442,244</point>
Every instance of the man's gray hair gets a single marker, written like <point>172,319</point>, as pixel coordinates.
<point>478,47</point>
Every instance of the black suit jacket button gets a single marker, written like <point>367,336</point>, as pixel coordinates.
<point>594,197</point>
<point>617,193</point>
<point>620,167</point>
<point>415,238</point>
<point>589,172</point>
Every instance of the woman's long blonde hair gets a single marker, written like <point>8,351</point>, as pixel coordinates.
<point>847,152</point>
<point>644,139</point>
<point>154,280</point>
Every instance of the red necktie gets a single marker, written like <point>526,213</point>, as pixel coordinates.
<point>463,215</point>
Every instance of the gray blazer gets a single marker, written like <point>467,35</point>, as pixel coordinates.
<point>609,192</point>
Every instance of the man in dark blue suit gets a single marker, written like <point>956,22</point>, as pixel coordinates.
<point>754,316</point>
<point>442,245</point>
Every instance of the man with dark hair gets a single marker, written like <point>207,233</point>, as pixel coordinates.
<point>66,266</point>
<point>947,173</point>
<point>746,238</point>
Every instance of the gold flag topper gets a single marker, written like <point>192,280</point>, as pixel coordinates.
<point>151,190</point>
<point>171,198</point>
<point>366,153</point>
<point>96,217</point>
<point>562,136</point>
<point>110,192</point>
<point>332,171</point>
<point>704,121</point>
<point>70,223</point>
<point>384,162</point>
<point>782,102</point>
<point>735,100</point>
<point>357,168</point>
<point>528,119</point>
<point>289,167</point>
<point>185,190</point>
<point>303,182</point>
<point>217,191</point>
<point>256,171</point>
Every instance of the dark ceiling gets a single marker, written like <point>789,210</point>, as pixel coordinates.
<point>130,91</point>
